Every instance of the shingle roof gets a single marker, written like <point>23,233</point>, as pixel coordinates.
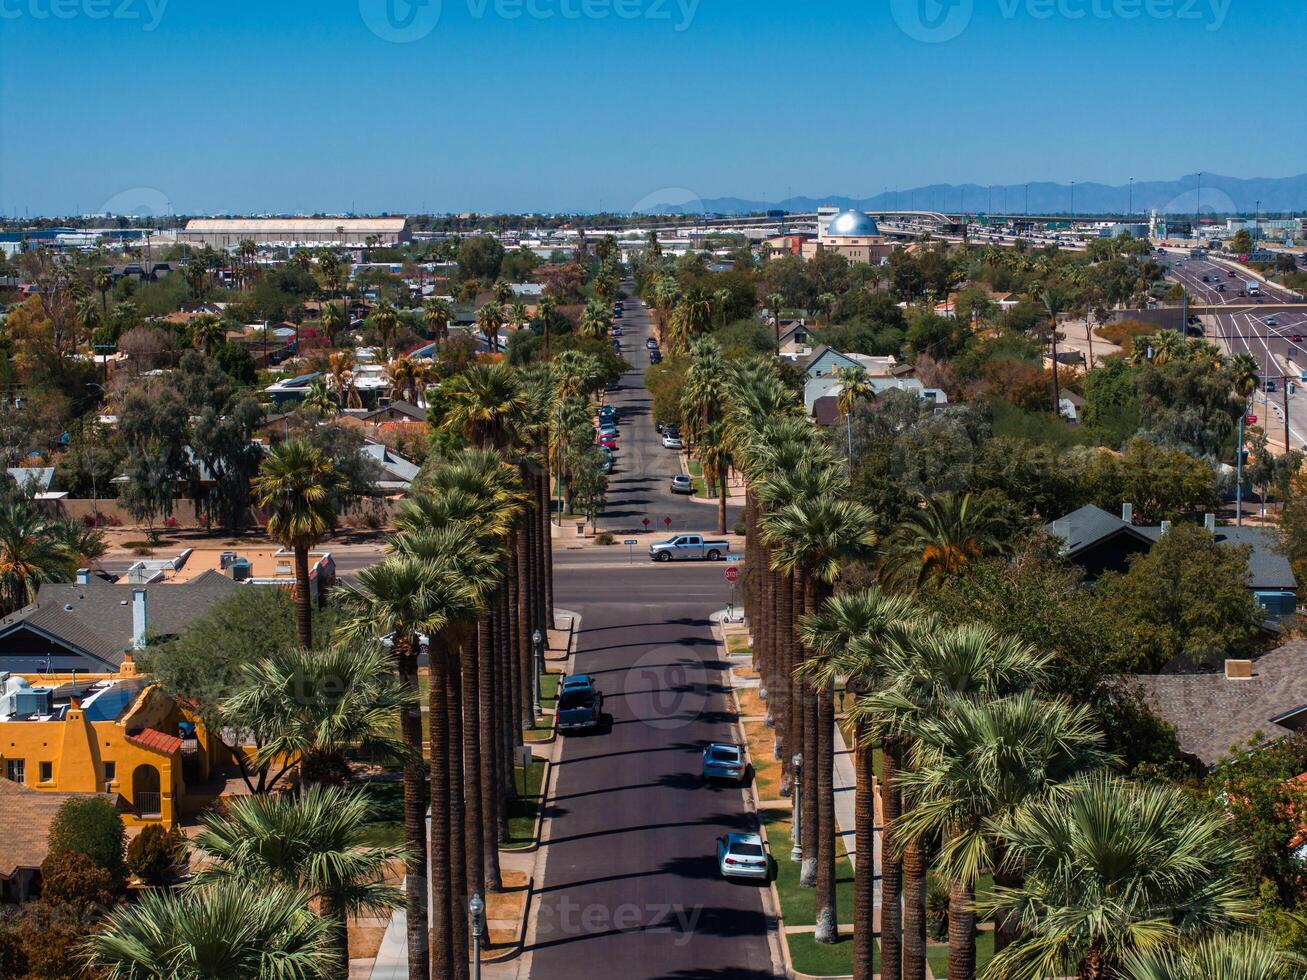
<point>1087,526</point>
<point>99,621</point>
<point>1211,713</point>
<point>26,815</point>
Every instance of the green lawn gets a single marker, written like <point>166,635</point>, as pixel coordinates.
<point>388,804</point>
<point>696,477</point>
<point>522,812</point>
<point>818,960</point>
<point>549,689</point>
<point>938,955</point>
<point>798,905</point>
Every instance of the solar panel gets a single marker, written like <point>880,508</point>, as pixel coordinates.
<point>113,702</point>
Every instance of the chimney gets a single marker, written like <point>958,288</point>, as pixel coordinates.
<point>140,622</point>
<point>1128,513</point>
<point>1238,670</point>
<point>83,576</point>
<point>1209,522</point>
<point>1166,526</point>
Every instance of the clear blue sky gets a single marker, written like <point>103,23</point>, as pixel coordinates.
<point>288,105</point>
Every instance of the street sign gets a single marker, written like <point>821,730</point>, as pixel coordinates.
<point>630,541</point>
<point>1252,419</point>
<point>646,523</point>
<point>732,574</point>
<point>667,521</point>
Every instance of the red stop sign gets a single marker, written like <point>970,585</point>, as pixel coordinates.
<point>732,574</point>
<point>1252,419</point>
<point>667,521</point>
<point>646,522</point>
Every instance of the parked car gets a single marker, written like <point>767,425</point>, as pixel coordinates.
<point>723,760</point>
<point>580,704</point>
<point>742,856</point>
<point>689,547</point>
<point>608,412</point>
<point>651,344</point>
<point>617,329</point>
<point>655,357</point>
<point>608,442</point>
<point>682,484</point>
<point>672,442</point>
<point>608,430</point>
<point>617,345</point>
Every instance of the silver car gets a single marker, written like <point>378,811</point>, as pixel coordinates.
<point>742,856</point>
<point>673,442</point>
<point>682,484</point>
<point>722,760</point>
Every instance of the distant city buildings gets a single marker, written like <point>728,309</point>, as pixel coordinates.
<point>343,232</point>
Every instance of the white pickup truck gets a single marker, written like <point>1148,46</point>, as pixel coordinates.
<point>689,547</point>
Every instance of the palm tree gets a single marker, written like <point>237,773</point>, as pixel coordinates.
<point>975,765</point>
<point>333,320</point>
<point>402,374</point>
<point>774,301</point>
<point>854,386</point>
<point>437,313</point>
<point>1228,955</point>
<point>317,705</point>
<point>316,843</point>
<point>483,404</point>
<point>341,366</point>
<point>322,399</point>
<point>222,930</point>
<point>207,333</point>
<point>29,555</point>
<point>503,292</point>
<point>595,320</point>
<point>826,303</point>
<point>545,317</point>
<point>940,540</point>
<point>517,314</point>
<point>847,637</point>
<point>385,320</point>
<point>723,298</point>
<point>296,487</point>
<point>103,280</point>
<point>490,319</point>
<point>1054,303</point>
<point>1113,868</point>
<point>715,455</point>
<point>814,537</point>
<point>924,666</point>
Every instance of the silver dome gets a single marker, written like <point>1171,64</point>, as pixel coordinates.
<point>852,224</point>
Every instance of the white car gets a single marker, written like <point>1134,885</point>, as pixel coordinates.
<point>673,442</point>
<point>742,856</point>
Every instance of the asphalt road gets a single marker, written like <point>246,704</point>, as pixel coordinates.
<point>1273,347</point>
<point>631,888</point>
<point>639,485</point>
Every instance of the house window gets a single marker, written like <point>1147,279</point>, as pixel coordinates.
<point>46,771</point>
<point>15,770</point>
<point>110,772</point>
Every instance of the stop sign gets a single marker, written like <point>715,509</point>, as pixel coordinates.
<point>1252,419</point>
<point>667,521</point>
<point>646,523</point>
<point>732,574</point>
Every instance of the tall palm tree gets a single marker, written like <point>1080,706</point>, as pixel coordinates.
<point>925,666</point>
<point>222,930</point>
<point>296,486</point>
<point>854,387</point>
<point>847,636</point>
<point>385,320</point>
<point>483,404</point>
<point>1228,955</point>
<point>595,320</point>
<point>774,302</point>
<point>402,374</point>
<point>1111,868</point>
<point>29,555</point>
<point>723,299</point>
<point>208,333</point>
<point>103,281</point>
<point>437,314</point>
<point>940,540</point>
<point>975,765</point>
<point>322,398</point>
<point>1054,303</point>
<point>316,843</point>
<point>341,366</point>
<point>490,320</point>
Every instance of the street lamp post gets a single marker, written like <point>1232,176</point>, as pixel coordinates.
<point>538,639</point>
<point>796,852</point>
<point>476,907</point>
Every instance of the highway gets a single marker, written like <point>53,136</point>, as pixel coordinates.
<point>1277,341</point>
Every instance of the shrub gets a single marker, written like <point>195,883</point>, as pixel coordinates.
<point>69,878</point>
<point>154,853</point>
<point>604,537</point>
<point>90,826</point>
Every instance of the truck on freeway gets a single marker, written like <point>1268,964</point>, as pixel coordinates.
<point>1253,287</point>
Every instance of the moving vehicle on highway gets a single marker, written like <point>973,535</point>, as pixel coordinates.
<point>742,856</point>
<point>580,704</point>
<point>682,484</point>
<point>689,547</point>
<point>724,760</point>
<point>1253,287</point>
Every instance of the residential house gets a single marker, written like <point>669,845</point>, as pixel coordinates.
<point>26,815</point>
<point>397,472</point>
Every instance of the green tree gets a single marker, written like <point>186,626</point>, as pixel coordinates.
<point>29,553</point>
<point>91,826</point>
<point>951,532</point>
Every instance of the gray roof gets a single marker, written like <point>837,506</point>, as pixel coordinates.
<point>1087,526</point>
<point>403,408</point>
<point>397,472</point>
<point>1211,713</point>
<point>100,621</point>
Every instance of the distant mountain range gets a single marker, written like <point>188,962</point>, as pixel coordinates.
<point>1219,195</point>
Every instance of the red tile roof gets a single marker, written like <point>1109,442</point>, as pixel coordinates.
<point>156,741</point>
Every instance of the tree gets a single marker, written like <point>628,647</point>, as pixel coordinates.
<point>595,319</point>
<point>941,540</point>
<point>208,333</point>
<point>29,553</point>
<point>385,320</point>
<point>1242,242</point>
<point>294,487</point>
<point>480,257</point>
<point>153,421</point>
<point>437,314</point>
<point>1111,868</point>
<point>316,843</point>
<point>222,930</point>
<point>155,852</point>
<point>483,404</point>
<point>1186,601</point>
<point>490,320</point>
<point>1229,955</point>
<point>91,826</point>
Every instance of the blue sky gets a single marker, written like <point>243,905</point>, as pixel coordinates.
<point>287,105</point>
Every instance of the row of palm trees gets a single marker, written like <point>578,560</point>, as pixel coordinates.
<point>1094,876</point>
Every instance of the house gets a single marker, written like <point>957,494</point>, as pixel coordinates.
<point>89,625</point>
<point>397,412</point>
<point>795,339</point>
<point>829,387</point>
<point>26,815</point>
<point>825,361</point>
<point>1264,698</point>
<point>1098,542</point>
<point>397,472</point>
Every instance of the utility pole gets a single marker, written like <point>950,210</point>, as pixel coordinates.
<point>1131,208</point>
<point>1073,198</point>
<point>1284,388</point>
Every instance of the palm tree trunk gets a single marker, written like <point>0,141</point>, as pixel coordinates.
<point>473,769</point>
<point>442,939</point>
<point>1005,924</point>
<point>723,473</point>
<point>415,816</point>
<point>547,553</point>
<point>808,870</point>
<point>487,694</point>
<point>338,916</point>
<point>458,893</point>
<point>827,910</point>
<point>303,608</point>
<point>519,605</point>
<point>864,870</point>
<point>891,867</point>
<point>961,932</point>
<point>782,637</point>
<point>914,912</point>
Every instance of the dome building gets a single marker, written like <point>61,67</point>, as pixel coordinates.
<point>852,234</point>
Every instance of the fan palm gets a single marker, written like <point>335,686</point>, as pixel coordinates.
<point>595,319</point>
<point>436,314</point>
<point>490,320</point>
<point>208,332</point>
<point>385,321</point>
<point>975,765</point>
<point>29,555</point>
<point>223,930</point>
<point>316,843</point>
<point>941,539</point>
<point>774,303</point>
<point>484,404</point>
<point>296,487</point>
<point>1228,955</point>
<point>322,399</point>
<point>1113,868</point>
